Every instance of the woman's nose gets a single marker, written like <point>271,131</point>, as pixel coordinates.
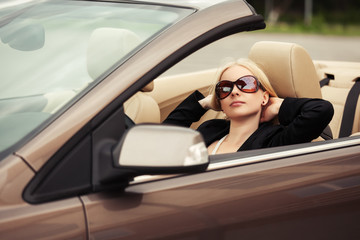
<point>235,91</point>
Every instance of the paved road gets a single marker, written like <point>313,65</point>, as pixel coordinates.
<point>320,47</point>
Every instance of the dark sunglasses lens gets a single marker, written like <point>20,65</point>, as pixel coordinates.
<point>223,89</point>
<point>247,84</point>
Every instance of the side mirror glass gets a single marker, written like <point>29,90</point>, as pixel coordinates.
<point>156,149</point>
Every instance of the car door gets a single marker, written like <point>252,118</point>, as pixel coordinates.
<point>304,191</point>
<point>310,191</point>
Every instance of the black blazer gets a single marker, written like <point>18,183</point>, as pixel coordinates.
<point>301,120</point>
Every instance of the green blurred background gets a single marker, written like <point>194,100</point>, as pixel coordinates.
<point>330,17</point>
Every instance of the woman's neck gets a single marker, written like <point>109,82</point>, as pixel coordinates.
<point>241,130</point>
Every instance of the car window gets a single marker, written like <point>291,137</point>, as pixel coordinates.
<point>53,51</point>
<point>197,72</point>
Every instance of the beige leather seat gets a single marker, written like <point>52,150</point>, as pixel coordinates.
<point>337,96</point>
<point>292,73</point>
<point>106,47</point>
<point>337,92</point>
<point>289,68</point>
<point>142,108</point>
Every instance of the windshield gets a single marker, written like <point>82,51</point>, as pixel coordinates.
<point>51,51</point>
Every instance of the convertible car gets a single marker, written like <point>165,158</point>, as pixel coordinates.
<point>84,88</point>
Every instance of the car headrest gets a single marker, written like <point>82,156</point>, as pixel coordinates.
<point>289,68</point>
<point>107,46</point>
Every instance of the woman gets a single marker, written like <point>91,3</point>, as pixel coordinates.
<point>244,94</point>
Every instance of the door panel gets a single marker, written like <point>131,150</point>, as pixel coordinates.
<point>19,220</point>
<point>309,200</point>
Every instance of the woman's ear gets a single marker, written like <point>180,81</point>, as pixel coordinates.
<point>265,98</point>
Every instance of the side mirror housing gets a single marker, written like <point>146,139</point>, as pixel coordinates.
<point>161,149</point>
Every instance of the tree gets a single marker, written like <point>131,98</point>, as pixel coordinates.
<point>274,8</point>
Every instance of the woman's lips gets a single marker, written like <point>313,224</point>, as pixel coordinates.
<point>237,103</point>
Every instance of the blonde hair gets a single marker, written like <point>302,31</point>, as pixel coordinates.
<point>252,67</point>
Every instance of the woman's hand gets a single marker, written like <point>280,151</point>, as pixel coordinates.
<point>206,102</point>
<point>271,109</point>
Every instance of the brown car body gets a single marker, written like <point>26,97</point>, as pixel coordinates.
<point>306,191</point>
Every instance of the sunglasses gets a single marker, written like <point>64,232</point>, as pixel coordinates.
<point>247,84</point>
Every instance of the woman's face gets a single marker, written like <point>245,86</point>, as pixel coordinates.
<point>239,104</point>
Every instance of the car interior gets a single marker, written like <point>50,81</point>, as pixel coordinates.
<point>342,77</point>
<point>291,72</point>
<point>288,66</point>
<point>100,57</point>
